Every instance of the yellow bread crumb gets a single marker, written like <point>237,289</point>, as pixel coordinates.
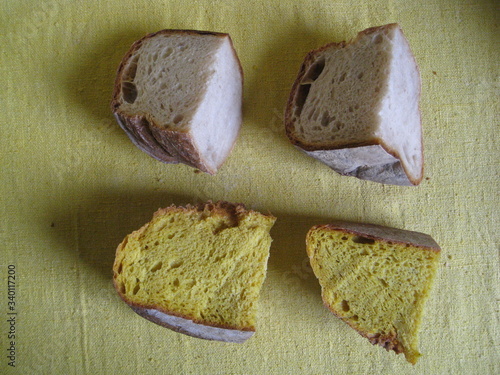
<point>376,279</point>
<point>203,263</point>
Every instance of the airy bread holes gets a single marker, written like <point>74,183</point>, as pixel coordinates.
<point>178,119</point>
<point>339,124</point>
<point>314,71</point>
<point>312,75</point>
<point>383,282</point>
<point>136,289</point>
<point>131,70</point>
<point>129,90</point>
<point>301,97</point>
<point>221,227</point>
<point>157,267</point>
<point>378,39</point>
<point>167,52</point>
<point>363,240</point>
<point>326,119</point>
<point>175,264</point>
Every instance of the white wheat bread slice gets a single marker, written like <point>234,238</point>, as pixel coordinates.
<point>197,270</point>
<point>355,107</point>
<point>178,96</point>
<point>376,279</point>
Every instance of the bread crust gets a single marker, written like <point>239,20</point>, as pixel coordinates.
<point>309,60</point>
<point>191,328</point>
<point>187,324</point>
<point>223,208</point>
<point>382,233</point>
<point>183,323</point>
<point>166,145</point>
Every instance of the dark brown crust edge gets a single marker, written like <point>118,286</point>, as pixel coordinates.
<point>234,210</point>
<point>382,233</point>
<point>309,59</point>
<point>388,342</point>
<point>168,146</point>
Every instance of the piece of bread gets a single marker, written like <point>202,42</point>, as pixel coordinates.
<point>197,270</point>
<point>178,96</point>
<point>376,279</point>
<point>355,107</point>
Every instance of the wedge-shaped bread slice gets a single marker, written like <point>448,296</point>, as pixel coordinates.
<point>197,269</point>
<point>355,107</point>
<point>178,96</point>
<point>376,279</point>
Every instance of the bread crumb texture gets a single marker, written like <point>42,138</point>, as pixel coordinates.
<point>206,263</point>
<point>178,96</point>
<point>376,286</point>
<point>355,107</point>
<point>166,75</point>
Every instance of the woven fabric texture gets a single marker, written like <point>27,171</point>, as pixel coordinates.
<point>73,185</point>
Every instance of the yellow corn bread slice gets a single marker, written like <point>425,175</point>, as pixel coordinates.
<point>197,269</point>
<point>376,279</point>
